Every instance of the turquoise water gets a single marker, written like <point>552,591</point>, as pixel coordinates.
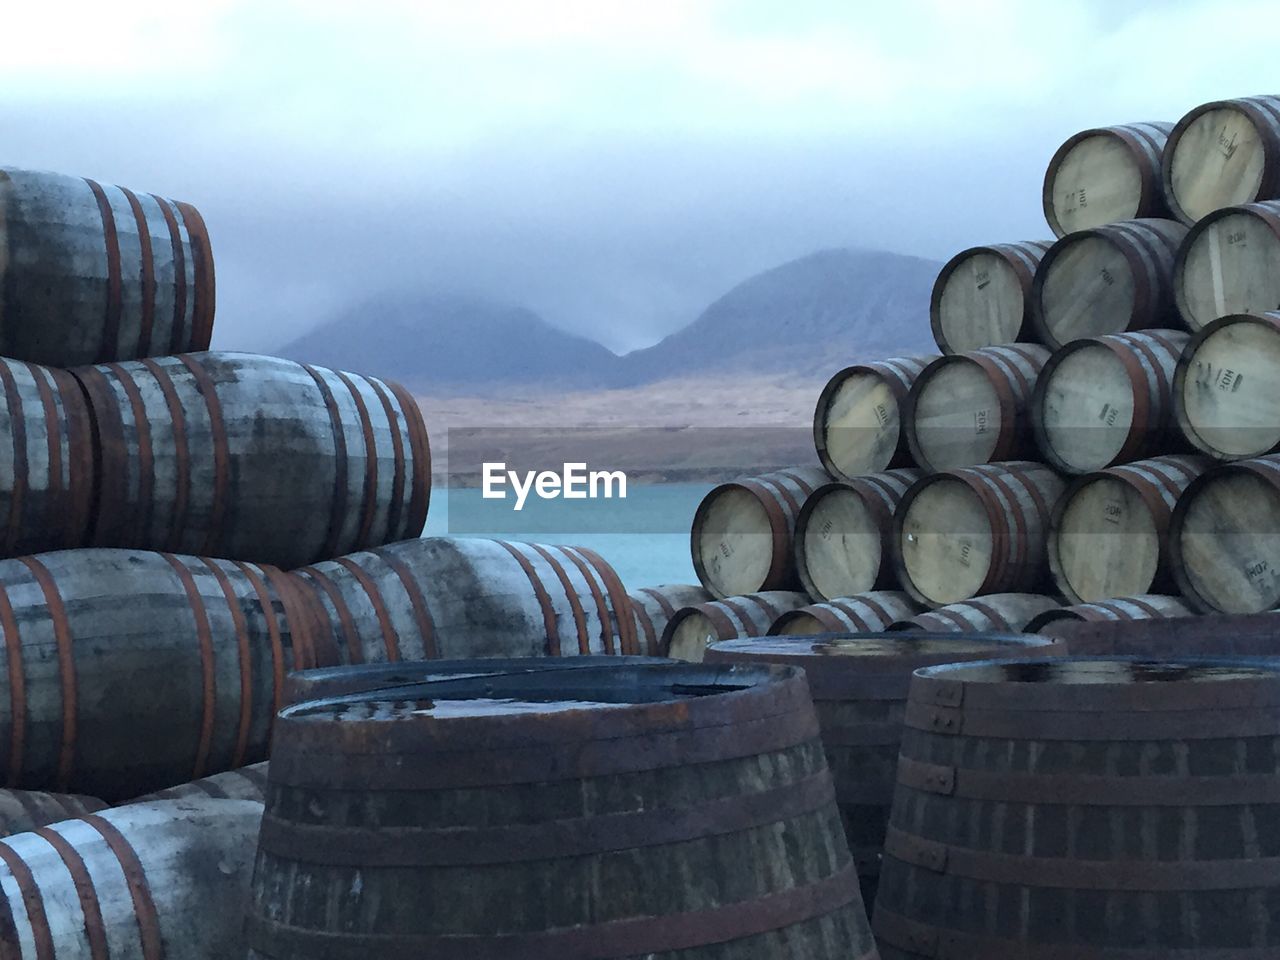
<point>644,537</point>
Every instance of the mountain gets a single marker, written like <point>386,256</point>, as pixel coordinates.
<point>454,343</point>
<point>806,317</point>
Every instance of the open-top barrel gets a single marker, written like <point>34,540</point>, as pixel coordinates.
<point>1223,154</point>
<point>1106,174</point>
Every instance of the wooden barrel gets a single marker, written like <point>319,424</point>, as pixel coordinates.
<point>982,297</point>
<point>1108,400</point>
<point>692,628</point>
<point>1110,535</point>
<point>451,598</point>
<point>742,535</point>
<point>843,534</point>
<point>857,424</point>
<point>1223,154</point>
<point>864,613</point>
<point>130,671</point>
<point>1225,393</point>
<point>974,408</point>
<point>1228,264</point>
<point>254,458</point>
<point>653,608</point>
<point>1014,781</point>
<point>1105,175</point>
<point>247,783</point>
<point>1110,279</point>
<point>1150,606</point>
<point>25,810</point>
<point>998,612</point>
<point>92,273</point>
<point>47,471</point>
<point>1242,635</point>
<point>1224,538</point>
<point>618,791</point>
<point>155,880</point>
<point>976,531</point>
<point>859,688</point>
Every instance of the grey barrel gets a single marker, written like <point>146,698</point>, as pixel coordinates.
<point>91,273</point>
<point>863,613</point>
<point>751,615</point>
<point>1222,154</point>
<point>1229,264</point>
<point>1151,606</point>
<point>857,423</point>
<point>1106,174</point>
<point>1001,612</point>
<point>254,458</point>
<point>982,297</point>
<point>653,608</point>
<point>24,810</point>
<point>247,783</point>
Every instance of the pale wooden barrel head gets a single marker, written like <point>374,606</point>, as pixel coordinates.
<point>689,637</point>
<point>947,541</point>
<point>1217,161</point>
<point>1229,399</point>
<point>863,424</point>
<point>1107,543</point>
<point>1086,408</point>
<point>802,625</point>
<point>1088,290</point>
<point>981,304</point>
<point>735,542</point>
<point>1097,182</point>
<point>956,415</point>
<point>1230,265</point>
<point>842,545</point>
<point>1229,543</point>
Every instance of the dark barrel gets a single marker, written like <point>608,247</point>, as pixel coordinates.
<point>91,273</point>
<point>1104,808</point>
<point>254,458</point>
<point>448,598</point>
<point>655,810</point>
<point>859,686</point>
<point>25,810</point>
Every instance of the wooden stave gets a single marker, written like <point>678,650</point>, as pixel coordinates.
<point>1153,606</point>
<point>781,494</point>
<point>1013,371</point>
<point>997,612</point>
<point>401,601</point>
<point>82,282</point>
<point>245,783</point>
<point>881,493</point>
<point>1186,428</point>
<point>244,438</point>
<point>1150,358</point>
<point>938,773</point>
<point>867,612</point>
<point>653,608</point>
<point>632,748</point>
<point>1023,257</point>
<point>1264,113</point>
<point>1173,475</point>
<point>1151,264</point>
<point>750,615</point>
<point>1145,142</point>
<point>897,374</point>
<point>1266,211</point>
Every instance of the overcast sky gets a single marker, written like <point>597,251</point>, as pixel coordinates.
<point>612,165</point>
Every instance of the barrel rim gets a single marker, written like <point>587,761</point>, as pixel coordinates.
<point>1151,199</point>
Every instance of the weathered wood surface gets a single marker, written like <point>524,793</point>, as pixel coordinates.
<point>974,408</point>
<point>653,608</point>
<point>458,598</point>
<point>157,880</point>
<point>742,534</point>
<point>976,531</point>
<point>1224,538</point>
<point>857,424</point>
<point>997,612</point>
<point>1243,635</point>
<point>1110,279</point>
<point>864,613</point>
<point>25,810</point>
<point>1019,852</point>
<point>982,297</point>
<point>1110,535</point>
<point>1229,264</point>
<point>751,615</point>
<point>573,813</point>
<point>1105,175</point>
<point>93,273</point>
<point>128,671</point>
<point>1108,400</point>
<point>1226,392</point>
<point>1223,154</point>
<point>247,783</point>
<point>1151,606</point>
<point>254,458</point>
<point>859,688</point>
<point>844,533</point>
